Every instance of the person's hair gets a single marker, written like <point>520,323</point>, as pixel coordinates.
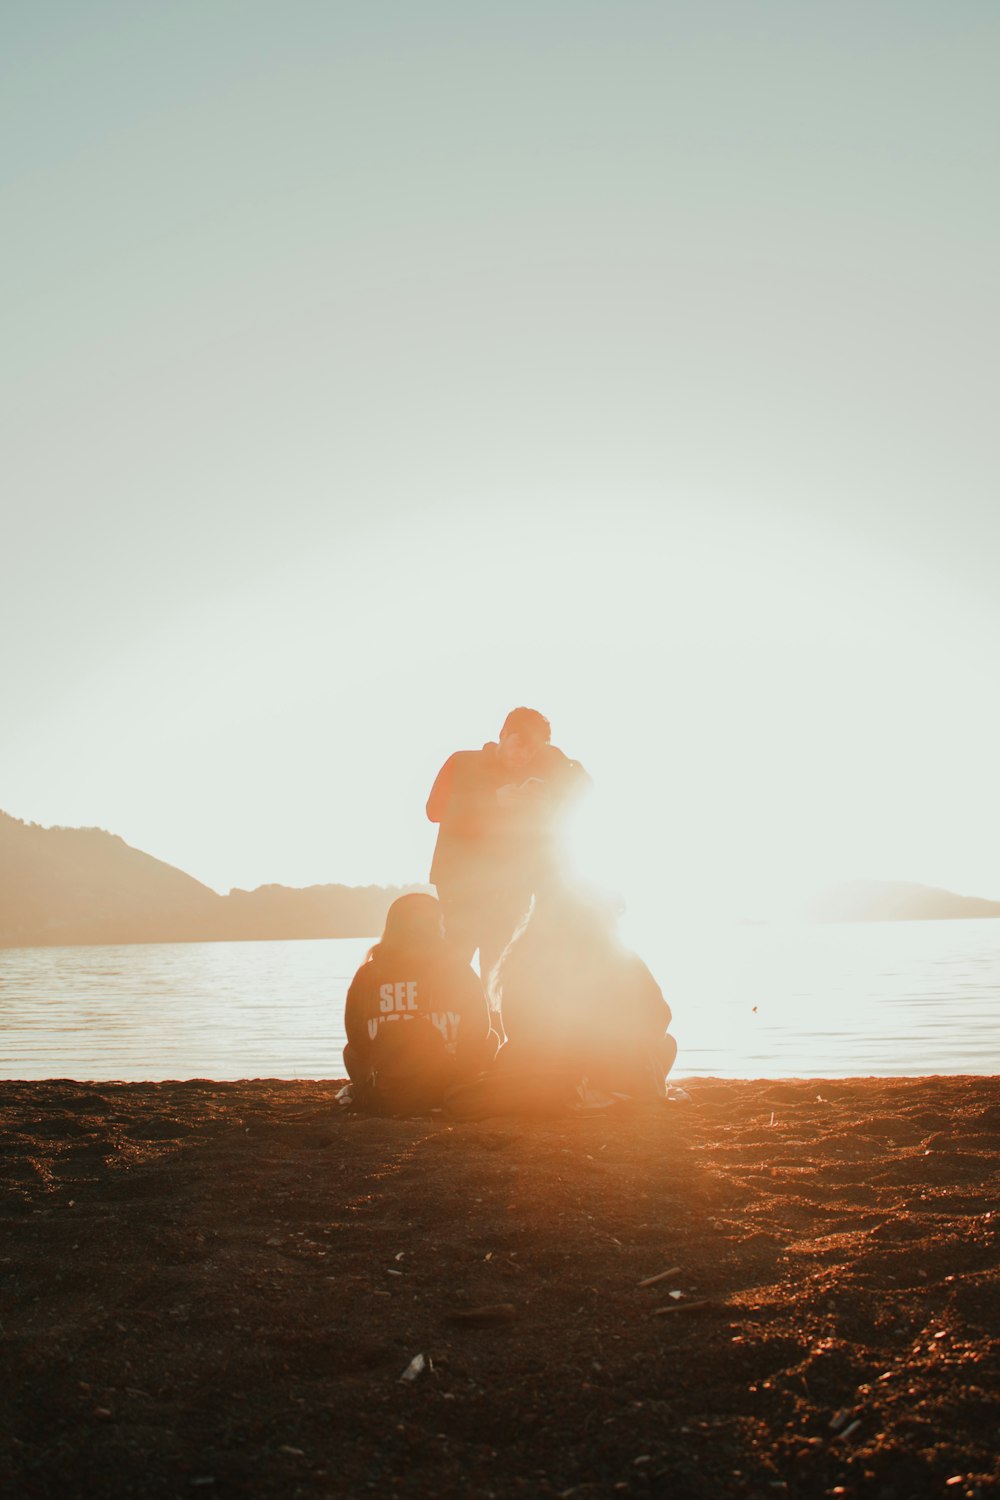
<point>529,722</point>
<point>412,923</point>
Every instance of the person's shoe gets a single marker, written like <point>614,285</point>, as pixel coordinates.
<point>589,1100</point>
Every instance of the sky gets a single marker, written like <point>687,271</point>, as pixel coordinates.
<point>368,370</point>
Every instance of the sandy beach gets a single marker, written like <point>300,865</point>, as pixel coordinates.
<point>216,1288</point>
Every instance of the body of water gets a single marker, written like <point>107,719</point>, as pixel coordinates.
<point>748,1002</point>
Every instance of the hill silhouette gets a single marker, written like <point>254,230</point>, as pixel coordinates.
<point>896,901</point>
<point>61,886</point>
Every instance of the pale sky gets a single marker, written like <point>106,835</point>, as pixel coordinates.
<point>368,370</point>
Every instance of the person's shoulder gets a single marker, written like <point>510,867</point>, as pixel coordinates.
<point>465,769</point>
<point>631,960</point>
<point>553,755</point>
<point>552,761</point>
<point>638,970</point>
<point>455,970</point>
<point>469,758</point>
<point>363,977</point>
<point>447,960</point>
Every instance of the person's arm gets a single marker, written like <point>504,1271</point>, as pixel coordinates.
<point>563,779</point>
<point>440,795</point>
<point>355,1011</point>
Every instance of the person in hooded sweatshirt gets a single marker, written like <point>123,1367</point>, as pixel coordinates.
<point>583,1015</point>
<point>416,1016</point>
<point>499,811</point>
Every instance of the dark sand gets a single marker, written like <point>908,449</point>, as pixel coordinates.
<point>215,1288</point>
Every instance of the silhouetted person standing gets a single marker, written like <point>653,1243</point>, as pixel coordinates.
<point>499,809</point>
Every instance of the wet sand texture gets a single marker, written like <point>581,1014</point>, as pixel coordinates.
<point>218,1289</point>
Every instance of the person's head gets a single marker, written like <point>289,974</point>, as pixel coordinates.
<point>412,925</point>
<point>575,915</point>
<point>524,732</point>
<point>568,924</point>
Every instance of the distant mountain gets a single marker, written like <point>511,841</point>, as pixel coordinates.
<point>896,901</point>
<point>281,911</point>
<point>82,885</point>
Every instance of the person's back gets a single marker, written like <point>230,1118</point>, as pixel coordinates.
<point>577,1007</point>
<point>623,1043</point>
<point>416,1017</point>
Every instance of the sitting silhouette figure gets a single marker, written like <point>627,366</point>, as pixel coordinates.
<point>416,1016</point>
<point>582,1013</point>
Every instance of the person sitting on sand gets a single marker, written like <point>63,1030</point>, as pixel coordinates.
<point>583,1014</point>
<point>499,810</point>
<point>416,1017</point>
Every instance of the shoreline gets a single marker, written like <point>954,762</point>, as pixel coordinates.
<point>122,938</point>
<point>334,1081</point>
<point>219,1285</point>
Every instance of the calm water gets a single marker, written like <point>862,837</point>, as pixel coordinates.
<point>836,1001</point>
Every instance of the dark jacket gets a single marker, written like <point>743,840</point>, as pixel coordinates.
<point>418,1022</point>
<point>484,843</point>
